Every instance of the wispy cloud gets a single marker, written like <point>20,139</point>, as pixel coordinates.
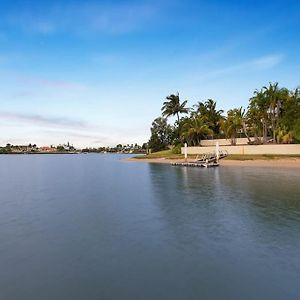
<point>257,64</point>
<point>88,17</point>
<point>54,130</point>
<point>83,136</point>
<point>267,62</point>
<point>44,121</point>
<point>50,130</point>
<point>64,84</point>
<point>35,81</point>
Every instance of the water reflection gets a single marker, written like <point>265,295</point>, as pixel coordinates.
<point>250,218</point>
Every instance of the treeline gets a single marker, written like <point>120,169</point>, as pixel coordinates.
<point>33,148</point>
<point>272,116</point>
<point>132,148</point>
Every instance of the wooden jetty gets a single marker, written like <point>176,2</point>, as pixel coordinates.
<point>206,160</point>
<point>196,164</point>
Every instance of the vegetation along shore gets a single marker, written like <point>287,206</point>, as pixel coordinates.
<point>272,117</point>
<point>281,161</point>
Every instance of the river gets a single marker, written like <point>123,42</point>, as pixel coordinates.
<point>98,227</point>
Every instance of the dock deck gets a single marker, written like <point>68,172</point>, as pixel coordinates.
<point>207,160</point>
<point>197,164</point>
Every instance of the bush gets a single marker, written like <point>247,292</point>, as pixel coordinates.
<point>177,149</point>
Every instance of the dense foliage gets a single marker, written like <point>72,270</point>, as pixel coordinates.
<point>161,134</point>
<point>273,115</point>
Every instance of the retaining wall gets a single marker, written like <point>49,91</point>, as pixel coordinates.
<point>224,142</point>
<point>249,149</point>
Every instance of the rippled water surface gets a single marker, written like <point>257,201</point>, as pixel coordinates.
<point>97,227</point>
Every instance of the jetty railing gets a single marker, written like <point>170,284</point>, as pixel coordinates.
<point>211,156</point>
<point>206,160</point>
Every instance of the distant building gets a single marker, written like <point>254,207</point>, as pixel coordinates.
<point>47,149</point>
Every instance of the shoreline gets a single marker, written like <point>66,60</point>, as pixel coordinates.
<point>277,163</point>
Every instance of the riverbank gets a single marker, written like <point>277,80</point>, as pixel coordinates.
<point>234,160</point>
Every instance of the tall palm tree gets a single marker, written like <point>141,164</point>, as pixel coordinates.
<point>241,115</point>
<point>258,114</point>
<point>173,107</point>
<point>274,97</point>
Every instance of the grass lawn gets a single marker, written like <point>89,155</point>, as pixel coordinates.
<point>258,157</point>
<point>161,154</point>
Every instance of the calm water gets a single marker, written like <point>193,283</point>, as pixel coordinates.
<point>96,227</point>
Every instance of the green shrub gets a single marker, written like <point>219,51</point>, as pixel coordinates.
<point>177,149</point>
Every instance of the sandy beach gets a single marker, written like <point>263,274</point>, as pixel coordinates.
<point>280,163</point>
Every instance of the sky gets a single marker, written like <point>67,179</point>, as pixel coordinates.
<point>96,73</point>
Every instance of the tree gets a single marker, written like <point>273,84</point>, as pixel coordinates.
<point>145,146</point>
<point>267,110</point>
<point>233,124</point>
<point>272,111</point>
<point>195,129</point>
<point>161,133</point>
<point>272,97</point>
<point>208,112</point>
<point>296,131</point>
<point>241,115</point>
<point>60,148</point>
<point>173,107</point>
<point>258,114</point>
<point>290,115</point>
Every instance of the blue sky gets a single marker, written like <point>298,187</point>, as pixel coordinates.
<point>96,72</point>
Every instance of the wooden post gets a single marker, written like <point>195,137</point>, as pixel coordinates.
<point>217,151</point>
<point>185,151</point>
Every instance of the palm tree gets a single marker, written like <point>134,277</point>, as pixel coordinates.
<point>210,114</point>
<point>258,114</point>
<point>240,114</point>
<point>233,124</point>
<point>275,97</point>
<point>200,109</point>
<point>195,129</point>
<point>173,107</point>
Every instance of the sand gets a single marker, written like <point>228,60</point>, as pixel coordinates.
<point>280,163</point>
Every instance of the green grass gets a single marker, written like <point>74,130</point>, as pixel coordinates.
<point>259,157</point>
<point>168,154</point>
